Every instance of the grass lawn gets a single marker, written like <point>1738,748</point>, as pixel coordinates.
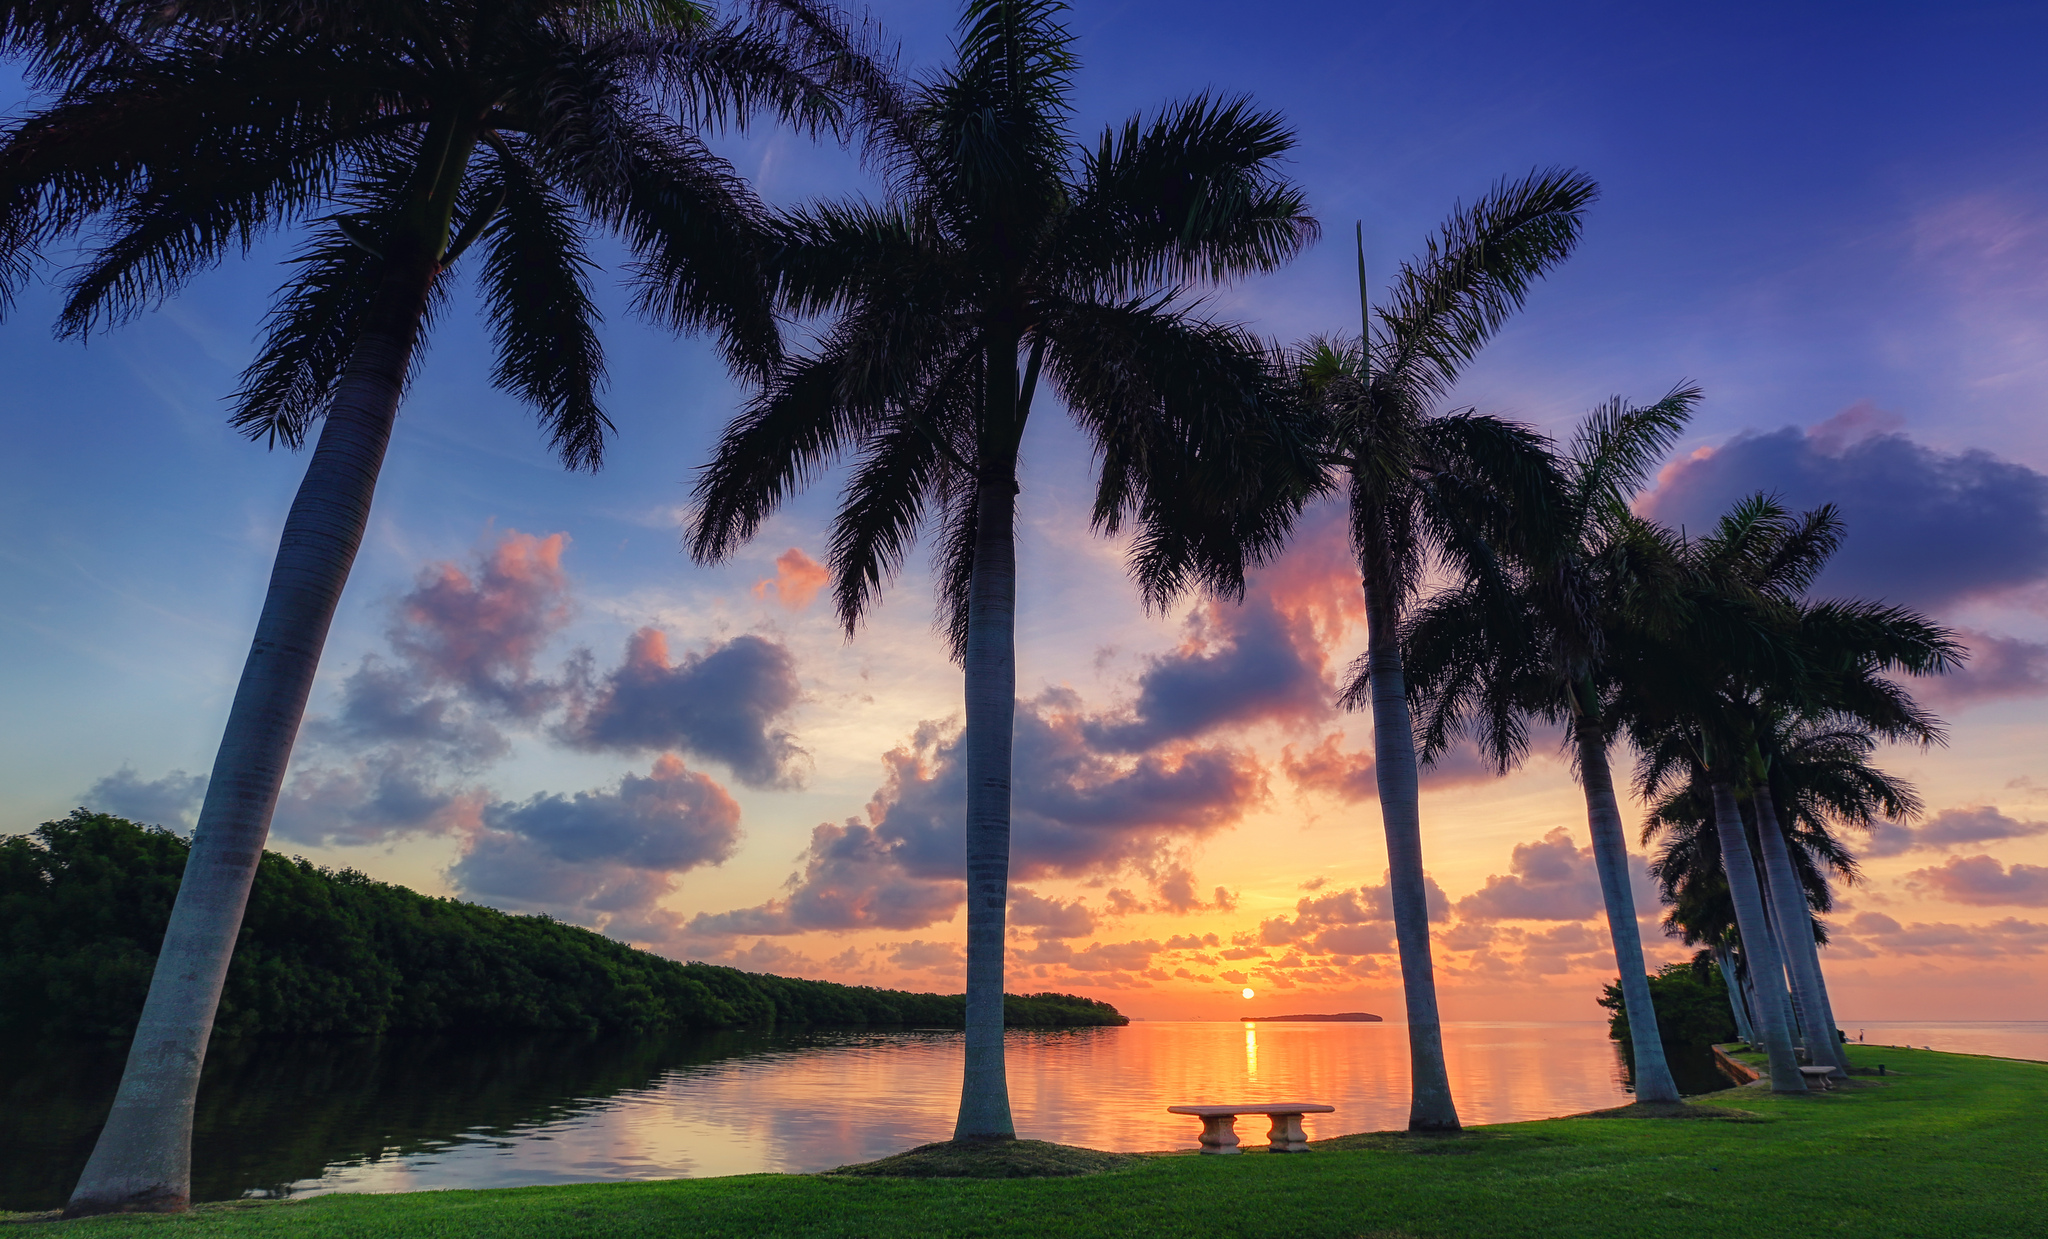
<point>1953,1145</point>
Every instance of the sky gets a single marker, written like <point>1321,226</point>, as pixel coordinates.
<point>1833,217</point>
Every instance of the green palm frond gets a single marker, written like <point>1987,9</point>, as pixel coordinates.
<point>1474,274</point>
<point>536,288</point>
<point>1190,196</point>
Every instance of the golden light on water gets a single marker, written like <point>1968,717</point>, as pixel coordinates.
<point>1247,991</point>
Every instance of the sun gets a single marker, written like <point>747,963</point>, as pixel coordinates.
<point>1247,991</point>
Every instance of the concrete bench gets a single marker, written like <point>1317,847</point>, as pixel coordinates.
<point>1219,1124</point>
<point>1818,1077</point>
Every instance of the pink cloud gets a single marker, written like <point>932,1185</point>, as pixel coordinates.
<point>1982,881</point>
<point>797,580</point>
<point>481,630</point>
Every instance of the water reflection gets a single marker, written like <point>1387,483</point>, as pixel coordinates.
<point>418,1113</point>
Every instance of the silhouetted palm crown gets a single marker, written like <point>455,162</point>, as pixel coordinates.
<point>185,133</point>
<point>1007,254</point>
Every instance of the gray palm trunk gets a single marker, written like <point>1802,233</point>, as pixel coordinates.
<point>1610,857</point>
<point>1795,936</point>
<point>991,685</point>
<point>1738,1001</point>
<point>1430,1107</point>
<point>143,1159</point>
<point>1766,971</point>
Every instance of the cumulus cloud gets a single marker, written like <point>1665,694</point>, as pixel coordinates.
<point>1998,667</point>
<point>1075,812</point>
<point>481,630</point>
<point>604,857</point>
<point>172,800</point>
<point>1352,776</point>
<point>1983,882</point>
<point>1264,660</point>
<point>1050,918</point>
<point>371,799</point>
<point>797,580</point>
<point>1550,879</point>
<point>1926,528</point>
<point>1872,934</point>
<point>1238,664</point>
<point>724,703</point>
<point>917,955</point>
<point>1950,828</point>
<point>1359,921</point>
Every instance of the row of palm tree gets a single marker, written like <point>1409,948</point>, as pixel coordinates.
<point>1505,583</point>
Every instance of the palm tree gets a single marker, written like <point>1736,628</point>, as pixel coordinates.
<point>422,127</point>
<point>1819,772</point>
<point>1429,483</point>
<point>1005,253</point>
<point>1829,659</point>
<point>1482,665</point>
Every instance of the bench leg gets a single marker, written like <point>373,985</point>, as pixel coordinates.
<point>1287,1135</point>
<point>1219,1134</point>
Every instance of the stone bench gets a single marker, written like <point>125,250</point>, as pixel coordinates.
<point>1219,1124</point>
<point>1818,1077</point>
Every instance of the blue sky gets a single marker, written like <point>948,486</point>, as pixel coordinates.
<point>1807,209</point>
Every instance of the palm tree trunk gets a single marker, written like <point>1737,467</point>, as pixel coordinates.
<point>143,1159</point>
<point>1795,932</point>
<point>1738,1003</point>
<point>1393,739</point>
<point>1610,857</point>
<point>1767,974</point>
<point>991,674</point>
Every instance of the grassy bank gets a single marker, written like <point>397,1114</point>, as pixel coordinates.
<point>1947,1145</point>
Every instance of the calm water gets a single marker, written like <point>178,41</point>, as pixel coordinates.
<point>400,1115</point>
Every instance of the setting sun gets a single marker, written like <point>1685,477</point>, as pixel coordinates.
<point>1247,991</point>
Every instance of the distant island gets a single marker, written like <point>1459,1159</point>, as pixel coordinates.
<point>1342,1017</point>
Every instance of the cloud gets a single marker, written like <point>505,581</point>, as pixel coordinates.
<point>1550,879</point>
<point>1983,882</point>
<point>371,799</point>
<point>1050,918</point>
<point>723,703</point>
<point>382,703</point>
<point>1236,665</point>
<point>604,856</point>
<point>797,580</point>
<point>480,631</point>
<point>172,800</point>
<point>1950,828</point>
<point>853,878</point>
<point>1875,934</point>
<point>1264,660</point>
<point>917,955</point>
<point>1075,812</point>
<point>1347,922</point>
<point>1926,528</point>
<point>1998,667</point>
<point>1352,777</point>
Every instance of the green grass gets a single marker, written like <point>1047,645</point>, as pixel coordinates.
<point>1948,1145</point>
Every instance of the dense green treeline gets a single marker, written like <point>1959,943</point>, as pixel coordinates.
<point>84,901</point>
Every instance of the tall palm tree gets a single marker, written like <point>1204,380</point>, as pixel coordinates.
<point>1426,482</point>
<point>1483,665</point>
<point>1830,659</point>
<point>398,135</point>
<point>1819,777</point>
<point>1007,252</point>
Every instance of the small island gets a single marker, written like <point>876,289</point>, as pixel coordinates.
<point>1341,1017</point>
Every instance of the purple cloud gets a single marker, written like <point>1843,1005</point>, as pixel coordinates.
<point>601,858</point>
<point>1926,528</point>
<point>172,800</point>
<point>1550,879</point>
<point>1983,882</point>
<point>722,703</point>
<point>1950,828</point>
